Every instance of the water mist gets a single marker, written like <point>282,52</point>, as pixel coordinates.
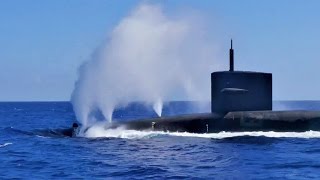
<point>149,56</point>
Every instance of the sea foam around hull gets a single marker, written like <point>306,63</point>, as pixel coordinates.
<point>99,131</point>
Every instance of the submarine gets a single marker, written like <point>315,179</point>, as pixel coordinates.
<point>240,101</point>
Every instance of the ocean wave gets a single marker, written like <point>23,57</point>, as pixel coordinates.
<point>100,131</point>
<point>5,144</point>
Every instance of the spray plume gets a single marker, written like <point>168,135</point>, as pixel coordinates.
<point>148,57</point>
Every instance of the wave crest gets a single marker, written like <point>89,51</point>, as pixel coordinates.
<point>5,144</point>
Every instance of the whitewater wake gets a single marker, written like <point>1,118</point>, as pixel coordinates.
<point>99,131</point>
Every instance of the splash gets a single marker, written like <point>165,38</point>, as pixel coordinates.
<point>99,131</point>
<point>157,107</point>
<point>150,57</point>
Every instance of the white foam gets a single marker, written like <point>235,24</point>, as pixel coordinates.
<point>5,144</point>
<point>101,131</point>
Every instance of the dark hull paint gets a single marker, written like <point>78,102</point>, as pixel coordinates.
<point>232,121</point>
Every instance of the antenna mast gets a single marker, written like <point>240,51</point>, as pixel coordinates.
<point>231,53</point>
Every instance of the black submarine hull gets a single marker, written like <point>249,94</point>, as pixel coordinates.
<point>281,121</point>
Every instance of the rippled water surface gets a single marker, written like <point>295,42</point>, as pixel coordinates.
<point>31,147</point>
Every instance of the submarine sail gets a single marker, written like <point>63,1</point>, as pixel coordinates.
<point>240,101</point>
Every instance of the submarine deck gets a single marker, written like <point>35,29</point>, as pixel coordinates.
<point>232,121</point>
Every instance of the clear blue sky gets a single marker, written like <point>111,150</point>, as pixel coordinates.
<point>42,43</point>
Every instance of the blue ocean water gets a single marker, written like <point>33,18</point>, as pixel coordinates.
<point>31,147</point>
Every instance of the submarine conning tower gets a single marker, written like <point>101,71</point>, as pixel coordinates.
<point>240,90</point>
